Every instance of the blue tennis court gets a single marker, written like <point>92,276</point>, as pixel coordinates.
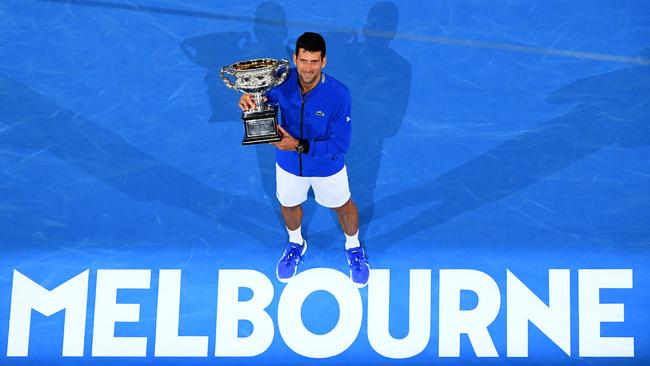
<point>493,140</point>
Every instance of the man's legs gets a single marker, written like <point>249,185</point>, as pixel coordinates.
<point>295,248</point>
<point>292,220</point>
<point>292,216</point>
<point>291,192</point>
<point>348,215</point>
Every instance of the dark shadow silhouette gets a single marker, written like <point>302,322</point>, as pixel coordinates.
<point>612,110</point>
<point>380,89</point>
<point>211,52</point>
<point>379,79</point>
<point>214,50</point>
<point>34,122</point>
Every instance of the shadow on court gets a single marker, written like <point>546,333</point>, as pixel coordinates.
<point>611,109</point>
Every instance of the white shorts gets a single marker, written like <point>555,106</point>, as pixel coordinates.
<point>331,192</point>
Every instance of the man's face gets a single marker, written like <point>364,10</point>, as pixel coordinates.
<point>309,65</point>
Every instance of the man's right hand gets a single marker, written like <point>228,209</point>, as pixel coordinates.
<point>246,102</point>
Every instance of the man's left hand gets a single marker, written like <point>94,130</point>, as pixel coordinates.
<point>288,143</point>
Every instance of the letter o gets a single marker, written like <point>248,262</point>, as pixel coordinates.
<point>292,328</point>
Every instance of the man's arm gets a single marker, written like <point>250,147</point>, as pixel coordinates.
<point>288,142</point>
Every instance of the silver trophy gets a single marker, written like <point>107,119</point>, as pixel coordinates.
<point>256,77</point>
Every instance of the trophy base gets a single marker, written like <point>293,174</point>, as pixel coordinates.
<point>265,140</point>
<point>260,127</point>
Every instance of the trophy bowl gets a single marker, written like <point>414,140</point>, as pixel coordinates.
<point>256,77</point>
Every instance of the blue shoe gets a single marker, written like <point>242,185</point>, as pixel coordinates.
<point>359,267</point>
<point>288,263</point>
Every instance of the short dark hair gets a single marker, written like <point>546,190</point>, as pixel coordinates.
<point>312,42</point>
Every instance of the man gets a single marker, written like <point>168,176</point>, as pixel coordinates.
<point>315,125</point>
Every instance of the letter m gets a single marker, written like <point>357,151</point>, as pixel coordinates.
<point>71,296</point>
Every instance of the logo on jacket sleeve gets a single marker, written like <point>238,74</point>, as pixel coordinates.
<point>320,114</point>
<point>348,119</point>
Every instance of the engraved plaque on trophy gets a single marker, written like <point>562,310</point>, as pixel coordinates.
<point>256,77</point>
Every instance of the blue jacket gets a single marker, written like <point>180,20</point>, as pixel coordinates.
<point>322,116</point>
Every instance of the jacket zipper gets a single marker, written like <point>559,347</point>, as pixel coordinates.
<point>302,112</point>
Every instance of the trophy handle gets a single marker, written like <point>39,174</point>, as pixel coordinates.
<point>283,63</point>
<point>224,71</point>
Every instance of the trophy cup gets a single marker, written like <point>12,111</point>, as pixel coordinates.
<point>256,77</point>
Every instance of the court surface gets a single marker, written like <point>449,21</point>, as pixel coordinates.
<point>491,136</point>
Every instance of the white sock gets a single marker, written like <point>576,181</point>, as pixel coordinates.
<point>352,241</point>
<point>295,236</point>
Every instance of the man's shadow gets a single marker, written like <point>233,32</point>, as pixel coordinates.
<point>611,109</point>
<point>379,79</point>
<point>215,50</point>
<point>34,122</point>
